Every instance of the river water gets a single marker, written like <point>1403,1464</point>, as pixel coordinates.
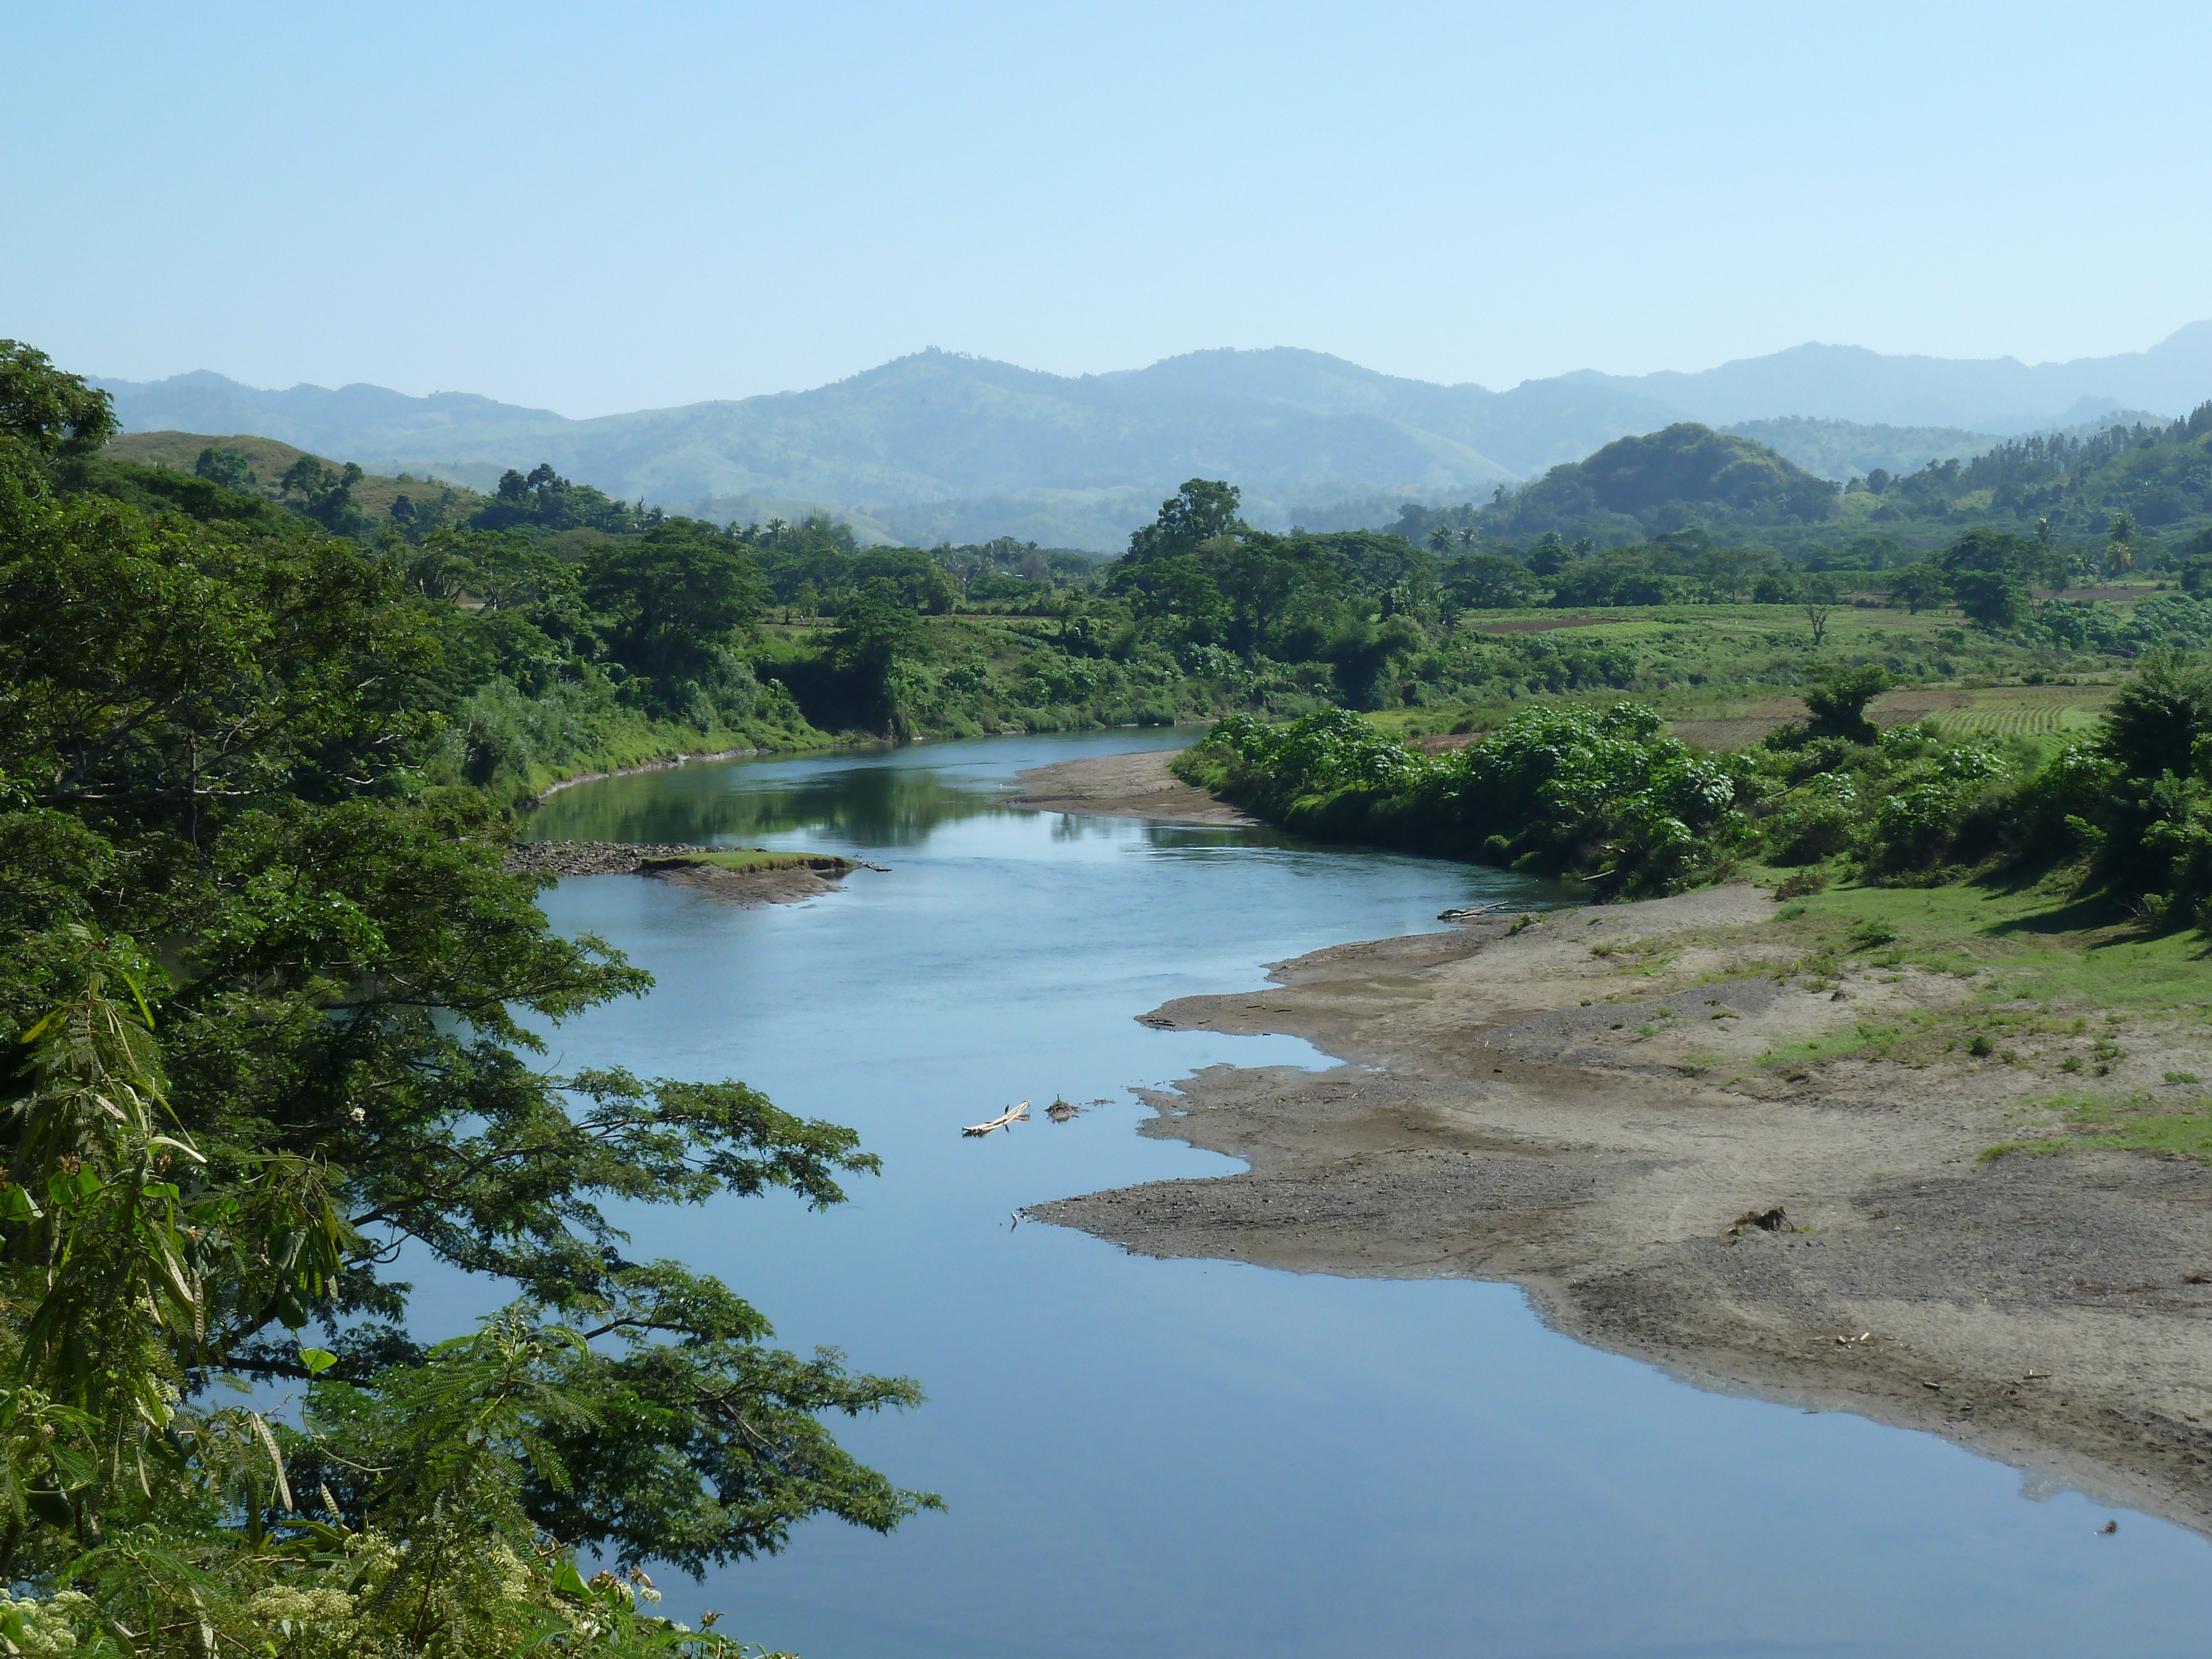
<point>1171,1458</point>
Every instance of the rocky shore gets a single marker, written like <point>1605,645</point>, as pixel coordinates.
<point>591,858</point>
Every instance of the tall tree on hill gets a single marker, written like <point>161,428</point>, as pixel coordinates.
<point>672,593</point>
<point>1201,510</point>
<point>2120,545</point>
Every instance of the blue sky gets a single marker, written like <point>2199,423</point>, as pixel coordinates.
<point>599,208</point>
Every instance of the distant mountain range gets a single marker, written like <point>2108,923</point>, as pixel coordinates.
<point>942,446</point>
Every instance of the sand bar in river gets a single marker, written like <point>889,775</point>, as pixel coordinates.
<point>1124,787</point>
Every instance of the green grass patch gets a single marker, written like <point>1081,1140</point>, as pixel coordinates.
<point>2135,1122</point>
<point>750,860</point>
<point>621,738</point>
<point>2040,971</point>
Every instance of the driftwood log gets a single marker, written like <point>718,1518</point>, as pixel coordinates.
<point>1005,1119</point>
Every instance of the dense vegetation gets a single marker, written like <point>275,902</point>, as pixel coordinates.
<point>585,632</point>
<point>1610,798</point>
<point>268,999</point>
<point>2156,475</point>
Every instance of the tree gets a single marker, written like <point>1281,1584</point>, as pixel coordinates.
<point>2196,563</point>
<point>1819,601</point>
<point>2159,721</point>
<point>2120,545</point>
<point>876,632</point>
<point>52,413</point>
<point>2051,562</point>
<point>1201,510</point>
<point>1258,577</point>
<point>217,738</point>
<point>671,594</point>
<point>1989,571</point>
<point>304,476</point>
<point>1994,598</point>
<point>225,468</point>
<point>1837,699</point>
<point>136,1263</point>
<point>1486,581</point>
<point>923,584</point>
<point>1918,587</point>
<point>1550,554</point>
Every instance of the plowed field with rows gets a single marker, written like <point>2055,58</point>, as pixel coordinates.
<point>2002,711</point>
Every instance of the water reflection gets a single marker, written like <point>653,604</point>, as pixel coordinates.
<point>882,799</point>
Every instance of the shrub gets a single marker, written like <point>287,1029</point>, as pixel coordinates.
<point>1837,699</point>
<point>1607,796</point>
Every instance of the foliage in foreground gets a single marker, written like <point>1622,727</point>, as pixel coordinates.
<point>224,740</point>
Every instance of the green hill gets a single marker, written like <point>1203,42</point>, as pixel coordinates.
<point>268,461</point>
<point>1684,472</point>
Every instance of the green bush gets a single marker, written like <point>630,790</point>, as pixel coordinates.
<point>1607,797</point>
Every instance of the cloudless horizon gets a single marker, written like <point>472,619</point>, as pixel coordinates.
<point>597,212</point>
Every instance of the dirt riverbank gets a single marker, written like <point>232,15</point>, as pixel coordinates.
<point>667,763</point>
<point>1124,787</point>
<point>1592,1124</point>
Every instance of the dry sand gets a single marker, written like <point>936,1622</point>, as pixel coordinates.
<point>1124,787</point>
<point>1498,1118</point>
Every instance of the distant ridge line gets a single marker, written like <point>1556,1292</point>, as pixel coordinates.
<point>941,444</point>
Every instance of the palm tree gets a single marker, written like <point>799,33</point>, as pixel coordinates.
<point>2119,544</point>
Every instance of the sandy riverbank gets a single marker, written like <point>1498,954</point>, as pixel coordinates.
<point>1499,1118</point>
<point>1124,787</point>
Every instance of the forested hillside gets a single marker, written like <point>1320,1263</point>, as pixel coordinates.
<point>942,446</point>
<point>600,630</point>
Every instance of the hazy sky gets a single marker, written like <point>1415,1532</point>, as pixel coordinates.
<point>617,207</point>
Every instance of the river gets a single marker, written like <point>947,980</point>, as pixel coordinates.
<point>1170,1458</point>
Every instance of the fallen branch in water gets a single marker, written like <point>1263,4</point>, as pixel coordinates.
<point>1469,912</point>
<point>1005,1119</point>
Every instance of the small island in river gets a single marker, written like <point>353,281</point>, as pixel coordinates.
<point>743,875</point>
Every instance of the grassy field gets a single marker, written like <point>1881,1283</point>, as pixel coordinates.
<point>2113,1019</point>
<point>1726,675</point>
<point>2010,711</point>
<point>373,495</point>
